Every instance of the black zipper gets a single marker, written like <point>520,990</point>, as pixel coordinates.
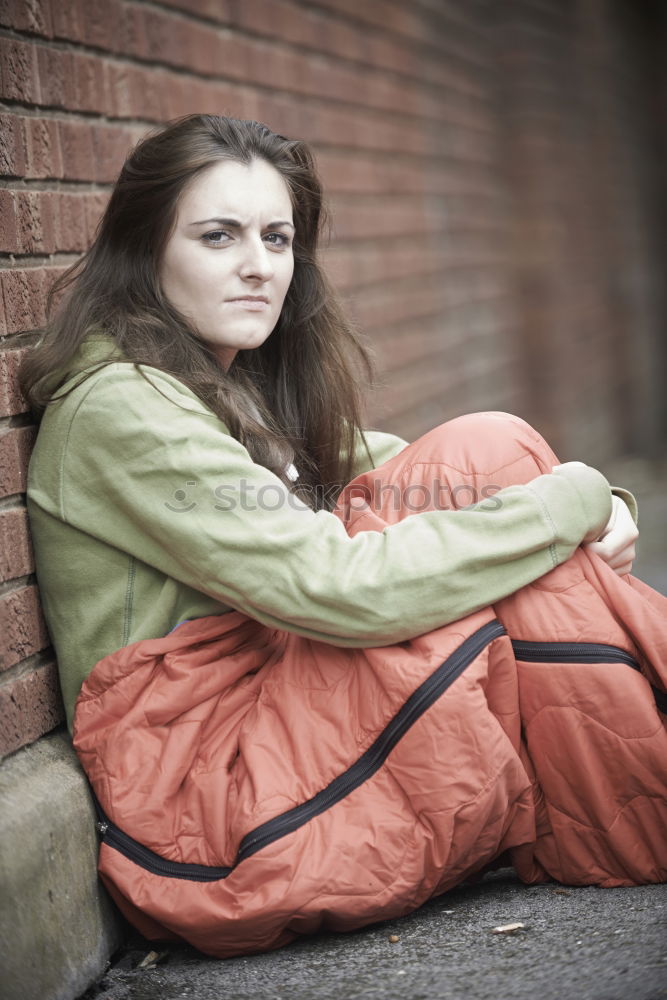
<point>114,837</point>
<point>370,762</point>
<point>581,652</point>
<point>364,768</point>
<point>572,652</point>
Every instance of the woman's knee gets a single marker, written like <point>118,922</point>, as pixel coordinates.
<point>453,465</point>
<point>489,442</point>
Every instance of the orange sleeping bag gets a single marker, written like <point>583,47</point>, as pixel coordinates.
<point>254,785</point>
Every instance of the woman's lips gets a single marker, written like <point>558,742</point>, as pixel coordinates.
<point>253,305</point>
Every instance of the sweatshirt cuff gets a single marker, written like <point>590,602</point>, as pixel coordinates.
<point>629,500</point>
<point>594,494</point>
<point>576,500</point>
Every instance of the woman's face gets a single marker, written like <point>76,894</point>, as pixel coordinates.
<point>228,262</point>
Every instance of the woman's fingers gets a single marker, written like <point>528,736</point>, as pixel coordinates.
<point>616,545</point>
<point>621,563</point>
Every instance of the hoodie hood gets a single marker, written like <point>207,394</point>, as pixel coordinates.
<point>96,349</point>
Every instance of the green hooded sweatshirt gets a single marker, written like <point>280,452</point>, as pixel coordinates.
<point>146,512</point>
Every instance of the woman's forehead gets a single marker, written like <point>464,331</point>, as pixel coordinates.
<point>233,188</point>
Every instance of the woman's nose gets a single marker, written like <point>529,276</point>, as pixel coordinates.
<point>256,261</point>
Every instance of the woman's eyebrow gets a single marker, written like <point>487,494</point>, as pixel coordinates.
<point>235,222</point>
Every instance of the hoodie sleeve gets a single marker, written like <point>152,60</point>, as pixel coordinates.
<point>147,468</point>
<point>382,447</point>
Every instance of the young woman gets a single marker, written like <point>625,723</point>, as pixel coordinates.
<point>202,463</point>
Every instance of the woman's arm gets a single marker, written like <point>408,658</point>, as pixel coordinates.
<point>616,544</point>
<point>148,469</point>
<point>382,447</point>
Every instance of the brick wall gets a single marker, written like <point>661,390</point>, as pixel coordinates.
<point>491,178</point>
<point>577,86</point>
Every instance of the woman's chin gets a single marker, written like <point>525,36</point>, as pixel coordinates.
<point>244,341</point>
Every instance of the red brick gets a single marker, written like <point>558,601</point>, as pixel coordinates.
<point>78,81</point>
<point>12,146</point>
<point>43,153</point>
<point>24,292</point>
<point>356,218</point>
<point>151,33</point>
<point>111,145</point>
<point>397,350</point>
<point>215,10</point>
<point>52,220</point>
<point>136,92</point>
<point>385,305</point>
<point>191,97</point>
<point>241,58</point>
<point>30,705</point>
<point>100,22</point>
<point>68,20</point>
<point>350,269</point>
<point>171,39</point>
<point>95,205</point>
<point>301,26</point>
<point>35,221</point>
<point>165,91</point>
<point>382,14</point>
<point>11,399</point>
<point>72,80</point>
<point>69,213</point>
<point>33,16</point>
<point>276,19</point>
<point>22,628</point>
<point>56,77</point>
<point>20,79</point>
<point>346,172</point>
<point>15,447</point>
<point>47,203</point>
<point>204,96</point>
<point>390,54</point>
<point>16,556</point>
<point>90,83</point>
<point>78,154</point>
<point>132,39</point>
<point>120,77</point>
<point>204,47</point>
<point>326,33</point>
<point>9,229</point>
<point>154,34</point>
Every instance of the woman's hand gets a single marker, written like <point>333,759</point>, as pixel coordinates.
<point>616,544</point>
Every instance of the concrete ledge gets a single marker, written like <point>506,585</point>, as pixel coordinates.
<point>57,925</point>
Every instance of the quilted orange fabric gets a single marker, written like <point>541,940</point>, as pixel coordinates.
<point>254,785</point>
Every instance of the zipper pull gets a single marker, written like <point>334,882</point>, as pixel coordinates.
<point>102,827</point>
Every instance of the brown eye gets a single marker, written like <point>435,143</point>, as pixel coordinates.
<point>277,240</point>
<point>216,236</point>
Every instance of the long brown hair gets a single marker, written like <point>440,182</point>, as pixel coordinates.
<point>296,398</point>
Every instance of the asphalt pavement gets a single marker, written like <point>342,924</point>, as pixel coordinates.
<point>575,944</point>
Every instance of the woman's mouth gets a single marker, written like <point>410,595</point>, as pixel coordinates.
<point>254,303</point>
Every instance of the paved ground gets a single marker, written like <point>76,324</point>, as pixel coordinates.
<point>577,943</point>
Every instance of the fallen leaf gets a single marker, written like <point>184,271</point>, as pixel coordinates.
<point>394,938</point>
<point>561,892</point>
<point>151,959</point>
<point>508,928</point>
